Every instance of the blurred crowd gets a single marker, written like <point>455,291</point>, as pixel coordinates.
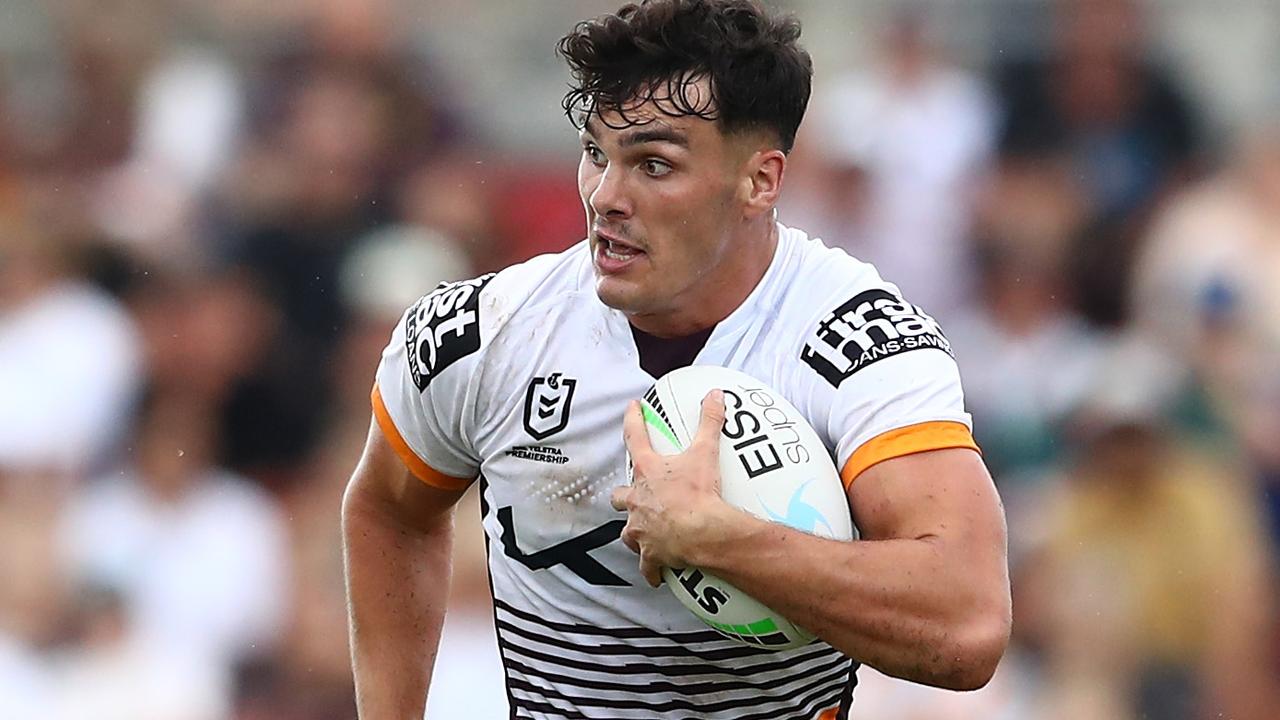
<point>212,214</point>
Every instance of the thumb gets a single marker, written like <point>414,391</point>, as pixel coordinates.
<point>712,421</point>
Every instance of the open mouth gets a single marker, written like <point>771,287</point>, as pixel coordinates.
<point>618,251</point>
<point>613,255</point>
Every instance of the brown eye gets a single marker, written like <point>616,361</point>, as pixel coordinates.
<point>654,167</point>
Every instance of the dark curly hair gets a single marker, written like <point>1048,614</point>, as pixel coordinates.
<point>658,49</point>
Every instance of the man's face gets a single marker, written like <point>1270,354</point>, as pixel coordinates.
<point>663,197</point>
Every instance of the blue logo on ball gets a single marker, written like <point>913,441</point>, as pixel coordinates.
<point>800,514</point>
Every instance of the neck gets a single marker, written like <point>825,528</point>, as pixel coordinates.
<point>724,289</point>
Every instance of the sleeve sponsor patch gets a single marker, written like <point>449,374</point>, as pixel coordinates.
<point>872,326</point>
<point>443,327</point>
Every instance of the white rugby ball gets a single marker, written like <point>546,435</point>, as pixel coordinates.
<point>772,465</point>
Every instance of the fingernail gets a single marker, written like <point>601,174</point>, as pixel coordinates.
<point>717,395</point>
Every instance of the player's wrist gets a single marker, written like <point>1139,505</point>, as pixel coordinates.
<point>714,532</point>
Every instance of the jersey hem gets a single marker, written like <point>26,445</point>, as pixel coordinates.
<point>907,440</point>
<point>415,464</point>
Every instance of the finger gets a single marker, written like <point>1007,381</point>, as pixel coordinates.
<point>635,435</point>
<point>712,421</point>
<point>618,499</point>
<point>629,539</point>
<point>651,571</point>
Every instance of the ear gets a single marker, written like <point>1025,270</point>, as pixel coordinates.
<point>763,182</point>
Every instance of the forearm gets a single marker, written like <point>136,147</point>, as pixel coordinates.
<point>908,607</point>
<point>397,579</point>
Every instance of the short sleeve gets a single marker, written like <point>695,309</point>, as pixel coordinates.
<point>422,399</point>
<point>878,380</point>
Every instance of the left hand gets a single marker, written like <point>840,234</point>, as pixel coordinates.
<point>670,496</point>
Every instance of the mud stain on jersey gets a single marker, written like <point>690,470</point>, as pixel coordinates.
<point>495,308</point>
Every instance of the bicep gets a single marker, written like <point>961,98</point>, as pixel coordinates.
<point>945,494</point>
<point>382,481</point>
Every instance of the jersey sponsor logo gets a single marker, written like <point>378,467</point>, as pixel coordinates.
<point>872,326</point>
<point>443,327</point>
<point>546,405</point>
<point>539,453</point>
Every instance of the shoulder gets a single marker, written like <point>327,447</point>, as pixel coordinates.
<point>459,319</point>
<point>830,268</point>
<point>815,279</point>
<point>842,316</point>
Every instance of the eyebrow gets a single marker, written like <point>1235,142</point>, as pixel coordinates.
<point>654,131</point>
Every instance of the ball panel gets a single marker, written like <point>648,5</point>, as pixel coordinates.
<point>731,612</point>
<point>661,435</point>
<point>772,464</point>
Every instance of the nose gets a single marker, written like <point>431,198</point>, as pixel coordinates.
<point>609,198</point>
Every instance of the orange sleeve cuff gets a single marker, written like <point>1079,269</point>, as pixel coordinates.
<point>921,437</point>
<point>420,469</point>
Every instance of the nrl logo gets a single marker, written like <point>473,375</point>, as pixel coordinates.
<point>546,405</point>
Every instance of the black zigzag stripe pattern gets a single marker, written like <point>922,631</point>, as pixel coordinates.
<point>569,670</point>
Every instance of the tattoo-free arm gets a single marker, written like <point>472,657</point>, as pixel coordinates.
<point>397,540</point>
<point>923,595</point>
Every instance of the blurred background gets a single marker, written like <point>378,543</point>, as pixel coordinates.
<point>212,214</point>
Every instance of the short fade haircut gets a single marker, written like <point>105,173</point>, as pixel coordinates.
<point>658,49</point>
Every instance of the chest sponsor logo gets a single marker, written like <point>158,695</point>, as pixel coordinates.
<point>872,326</point>
<point>539,453</point>
<point>443,327</point>
<point>547,404</point>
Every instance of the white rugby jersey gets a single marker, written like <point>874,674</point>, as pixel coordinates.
<point>521,379</point>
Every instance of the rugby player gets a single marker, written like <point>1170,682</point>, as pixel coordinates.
<point>524,381</point>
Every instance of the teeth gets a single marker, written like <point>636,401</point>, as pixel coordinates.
<point>617,252</point>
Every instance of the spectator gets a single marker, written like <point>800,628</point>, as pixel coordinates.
<point>1206,285</point>
<point>309,675</point>
<point>322,192</point>
<point>113,674</point>
<point>1152,590</point>
<point>915,132</point>
<point>69,357</point>
<point>455,196</point>
<point>1026,356</point>
<point>1129,134</point>
<point>1121,119</point>
<point>198,554</point>
<point>1208,289</point>
<point>189,113</point>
